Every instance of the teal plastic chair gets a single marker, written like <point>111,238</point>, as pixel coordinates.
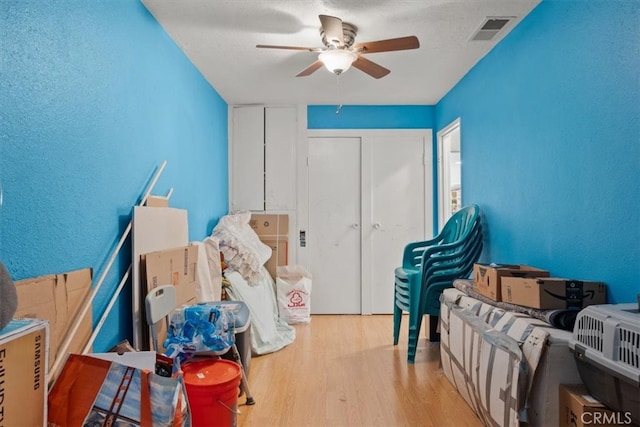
<point>429,267</point>
<point>437,280</point>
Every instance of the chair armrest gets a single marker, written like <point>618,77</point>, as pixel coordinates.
<point>452,262</point>
<point>475,230</point>
<point>412,254</point>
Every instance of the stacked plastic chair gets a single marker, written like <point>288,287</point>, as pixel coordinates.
<point>430,266</point>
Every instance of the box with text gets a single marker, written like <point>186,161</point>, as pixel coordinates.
<point>552,293</point>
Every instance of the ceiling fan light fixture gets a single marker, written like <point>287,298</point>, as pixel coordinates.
<point>337,60</point>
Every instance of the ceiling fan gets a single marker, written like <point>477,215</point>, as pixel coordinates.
<point>340,52</point>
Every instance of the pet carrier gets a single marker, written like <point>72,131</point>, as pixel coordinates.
<point>606,348</point>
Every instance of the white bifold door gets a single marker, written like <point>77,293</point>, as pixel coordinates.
<point>369,194</point>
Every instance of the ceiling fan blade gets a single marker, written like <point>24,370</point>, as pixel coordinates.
<point>401,43</point>
<point>269,46</point>
<point>332,27</point>
<point>310,69</point>
<point>374,70</point>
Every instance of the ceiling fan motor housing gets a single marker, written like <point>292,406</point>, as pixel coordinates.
<point>349,31</point>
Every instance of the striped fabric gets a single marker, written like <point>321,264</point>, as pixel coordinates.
<point>490,356</point>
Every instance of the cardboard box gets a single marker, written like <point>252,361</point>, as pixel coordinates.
<point>157,202</point>
<point>552,293</point>
<point>579,409</point>
<point>270,224</point>
<point>23,373</point>
<point>273,231</point>
<point>176,266</point>
<point>487,278</point>
<point>280,255</point>
<point>58,298</point>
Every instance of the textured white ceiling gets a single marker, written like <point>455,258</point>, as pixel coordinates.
<point>219,36</point>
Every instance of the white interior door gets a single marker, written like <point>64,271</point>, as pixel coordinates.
<point>369,194</point>
<point>334,240</point>
<point>399,203</point>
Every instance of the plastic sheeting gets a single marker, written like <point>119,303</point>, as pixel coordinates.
<point>544,350</point>
<point>200,328</point>
<point>269,333</point>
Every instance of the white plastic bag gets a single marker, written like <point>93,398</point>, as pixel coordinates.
<point>293,288</point>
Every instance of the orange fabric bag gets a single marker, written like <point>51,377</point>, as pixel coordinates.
<point>96,391</point>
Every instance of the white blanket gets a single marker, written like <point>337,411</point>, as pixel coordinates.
<point>269,333</point>
<point>242,249</point>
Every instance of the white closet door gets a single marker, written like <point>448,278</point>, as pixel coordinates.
<point>280,158</point>
<point>333,242</point>
<point>369,194</point>
<point>247,159</point>
<point>398,191</point>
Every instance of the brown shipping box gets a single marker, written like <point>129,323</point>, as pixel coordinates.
<point>273,231</point>
<point>552,293</point>
<point>177,267</point>
<point>58,298</point>
<point>270,224</point>
<point>579,409</point>
<point>279,256</point>
<point>157,202</point>
<point>23,373</point>
<point>487,277</point>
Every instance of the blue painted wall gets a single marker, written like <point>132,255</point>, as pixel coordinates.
<point>93,97</point>
<point>371,117</point>
<point>550,130</point>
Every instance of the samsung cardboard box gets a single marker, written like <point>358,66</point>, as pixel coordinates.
<point>552,293</point>
<point>23,372</point>
<point>487,277</point>
<point>58,298</point>
<point>273,231</point>
<point>579,409</point>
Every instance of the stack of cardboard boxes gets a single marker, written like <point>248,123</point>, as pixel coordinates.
<point>532,287</point>
<point>47,308</point>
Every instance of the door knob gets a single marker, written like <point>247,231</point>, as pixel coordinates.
<point>377,226</point>
<point>355,226</point>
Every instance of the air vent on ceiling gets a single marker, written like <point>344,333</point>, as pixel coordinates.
<point>490,28</point>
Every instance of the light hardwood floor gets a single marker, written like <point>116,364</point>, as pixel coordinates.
<point>344,371</point>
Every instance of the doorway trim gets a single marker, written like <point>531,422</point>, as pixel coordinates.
<point>444,170</point>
